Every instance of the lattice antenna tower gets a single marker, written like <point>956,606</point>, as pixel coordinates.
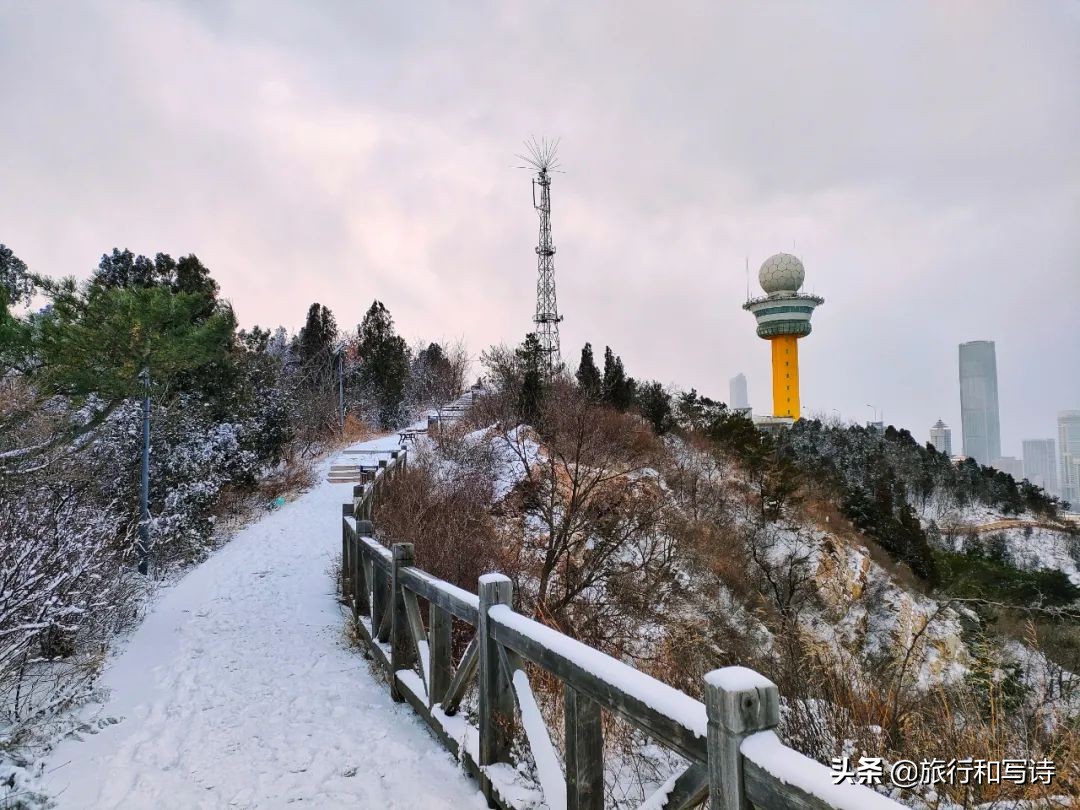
<point>542,157</point>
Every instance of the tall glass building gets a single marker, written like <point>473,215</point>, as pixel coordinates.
<point>1069,446</point>
<point>737,392</point>
<point>979,401</point>
<point>1040,464</point>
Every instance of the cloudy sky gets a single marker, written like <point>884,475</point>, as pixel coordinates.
<point>923,160</point>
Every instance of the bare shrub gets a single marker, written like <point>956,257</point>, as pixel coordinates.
<point>296,475</point>
<point>62,596</point>
<point>447,520</point>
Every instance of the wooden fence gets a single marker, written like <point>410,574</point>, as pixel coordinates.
<point>734,759</point>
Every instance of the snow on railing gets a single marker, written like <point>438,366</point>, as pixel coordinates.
<point>736,761</point>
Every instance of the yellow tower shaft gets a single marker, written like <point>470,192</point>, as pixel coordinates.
<point>785,375</point>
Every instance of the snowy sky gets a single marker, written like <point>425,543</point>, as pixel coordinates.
<point>922,158</point>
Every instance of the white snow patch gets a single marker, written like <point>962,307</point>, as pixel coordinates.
<point>737,679</point>
<point>670,702</point>
<point>548,770</point>
<point>792,768</point>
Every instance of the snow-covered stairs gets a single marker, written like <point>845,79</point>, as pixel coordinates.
<point>347,473</point>
<point>357,465</point>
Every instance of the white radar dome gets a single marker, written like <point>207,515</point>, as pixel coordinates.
<point>781,273</point>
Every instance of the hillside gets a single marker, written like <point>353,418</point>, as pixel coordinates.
<point>810,557</point>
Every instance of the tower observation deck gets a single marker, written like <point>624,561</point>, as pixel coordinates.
<point>783,316</point>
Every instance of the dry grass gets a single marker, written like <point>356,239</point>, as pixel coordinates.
<point>357,430</point>
<point>296,476</point>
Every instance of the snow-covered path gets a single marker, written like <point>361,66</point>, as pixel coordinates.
<point>237,692</point>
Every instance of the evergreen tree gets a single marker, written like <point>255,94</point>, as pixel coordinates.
<point>697,412</point>
<point>260,395</point>
<point>384,363</point>
<point>530,357</point>
<point>122,268</point>
<point>432,360</point>
<point>192,276</point>
<point>16,287</point>
<point>655,405</point>
<point>122,342</point>
<point>315,343</point>
<point>588,375</point>
<point>618,388</point>
<point>97,340</point>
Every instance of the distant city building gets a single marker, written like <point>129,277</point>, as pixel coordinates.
<point>1011,465</point>
<point>979,401</point>
<point>1069,447</point>
<point>1040,464</point>
<point>1074,501</point>
<point>773,424</point>
<point>941,438</point>
<point>737,391</point>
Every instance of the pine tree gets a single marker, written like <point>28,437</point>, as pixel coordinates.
<point>531,395</point>
<point>655,405</point>
<point>123,342</point>
<point>191,276</point>
<point>384,363</point>
<point>97,340</point>
<point>588,375</point>
<point>317,337</point>
<point>122,268</point>
<point>618,388</point>
<point>15,283</point>
<point>16,287</point>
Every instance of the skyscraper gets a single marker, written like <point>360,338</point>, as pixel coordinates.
<point>979,401</point>
<point>1040,464</point>
<point>1069,446</point>
<point>941,437</point>
<point>737,391</point>
<point>1011,465</point>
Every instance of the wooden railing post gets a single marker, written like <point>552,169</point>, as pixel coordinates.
<point>378,602</point>
<point>402,652</point>
<point>346,556</point>
<point>360,501</point>
<point>496,698</point>
<point>584,751</point>
<point>361,587</point>
<point>440,625</point>
<point>738,702</point>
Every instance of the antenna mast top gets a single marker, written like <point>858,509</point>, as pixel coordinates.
<point>542,155</point>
